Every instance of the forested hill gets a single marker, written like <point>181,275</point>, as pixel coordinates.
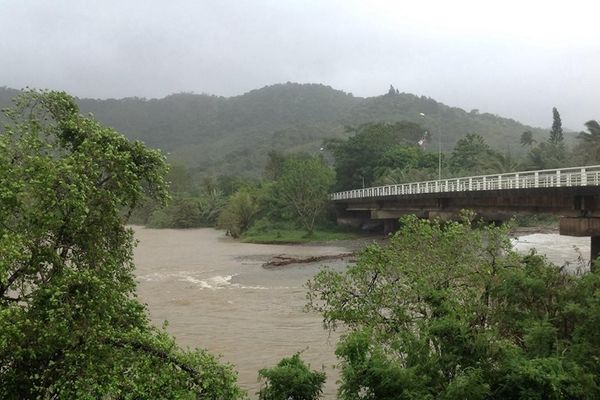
<point>233,135</point>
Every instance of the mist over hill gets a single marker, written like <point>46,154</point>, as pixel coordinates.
<point>232,135</point>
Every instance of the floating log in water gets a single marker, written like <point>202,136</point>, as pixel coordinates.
<point>281,260</point>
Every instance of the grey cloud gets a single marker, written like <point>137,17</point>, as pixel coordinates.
<point>154,48</point>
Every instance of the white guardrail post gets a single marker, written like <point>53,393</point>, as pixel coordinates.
<point>566,177</point>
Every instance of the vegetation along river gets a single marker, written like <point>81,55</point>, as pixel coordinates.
<point>216,295</point>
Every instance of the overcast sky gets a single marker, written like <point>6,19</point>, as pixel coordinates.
<point>515,58</point>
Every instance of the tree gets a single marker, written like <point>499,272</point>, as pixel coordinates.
<point>211,204</point>
<point>180,180</point>
<point>552,153</point>
<point>469,154</point>
<point>556,134</point>
<point>302,189</point>
<point>393,91</point>
<point>589,147</point>
<point>499,163</point>
<point>401,163</point>
<point>527,138</point>
<point>239,212</point>
<point>291,379</point>
<point>274,165</point>
<point>181,213</point>
<point>356,158</point>
<point>447,311</point>
<point>70,324</point>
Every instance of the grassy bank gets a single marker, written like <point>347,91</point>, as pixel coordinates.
<point>282,236</point>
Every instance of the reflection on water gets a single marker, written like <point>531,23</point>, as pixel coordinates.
<point>215,295</point>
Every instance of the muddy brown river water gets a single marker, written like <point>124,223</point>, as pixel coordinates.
<point>215,295</point>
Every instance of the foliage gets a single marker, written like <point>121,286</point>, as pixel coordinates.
<point>546,155</point>
<point>217,135</point>
<point>499,163</point>
<point>302,189</point>
<point>589,146</point>
<point>274,165</point>
<point>356,159</point>
<point>401,164</point>
<point>265,231</point>
<point>556,134</point>
<point>291,379</point>
<point>527,138</point>
<point>192,205</point>
<point>211,204</point>
<point>447,311</point>
<point>189,212</point>
<point>70,324</point>
<point>469,155</point>
<point>180,180</point>
<point>551,153</point>
<point>182,212</point>
<point>239,212</point>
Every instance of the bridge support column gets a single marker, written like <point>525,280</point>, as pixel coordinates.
<point>583,226</point>
<point>389,226</point>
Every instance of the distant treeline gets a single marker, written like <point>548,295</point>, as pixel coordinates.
<point>216,135</point>
<point>292,190</point>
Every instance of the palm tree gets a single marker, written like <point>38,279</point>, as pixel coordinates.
<point>498,163</point>
<point>590,141</point>
<point>527,138</point>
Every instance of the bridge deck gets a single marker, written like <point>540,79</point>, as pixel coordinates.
<point>548,178</point>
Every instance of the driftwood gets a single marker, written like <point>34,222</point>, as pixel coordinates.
<point>281,260</point>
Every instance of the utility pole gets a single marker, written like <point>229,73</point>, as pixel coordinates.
<point>439,157</point>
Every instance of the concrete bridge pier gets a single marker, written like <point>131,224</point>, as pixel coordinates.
<point>390,226</point>
<point>583,226</point>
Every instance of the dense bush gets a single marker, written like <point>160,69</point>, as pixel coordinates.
<point>450,312</point>
<point>239,212</point>
<point>71,326</point>
<point>291,379</point>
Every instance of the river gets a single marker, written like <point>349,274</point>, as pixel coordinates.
<point>215,294</point>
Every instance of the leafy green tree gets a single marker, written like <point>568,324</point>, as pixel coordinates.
<point>291,379</point>
<point>556,134</point>
<point>180,180</point>
<point>211,203</point>
<point>356,159</point>
<point>274,165</point>
<point>499,163</point>
<point>302,189</point>
<point>551,153</point>
<point>527,138</point>
<point>469,154</point>
<point>181,213</point>
<point>239,212</point>
<point>401,164</point>
<point>446,311</point>
<point>70,323</point>
<point>589,147</point>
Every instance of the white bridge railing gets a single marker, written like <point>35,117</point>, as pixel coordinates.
<point>547,178</point>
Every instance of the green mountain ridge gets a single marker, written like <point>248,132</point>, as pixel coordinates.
<point>232,135</point>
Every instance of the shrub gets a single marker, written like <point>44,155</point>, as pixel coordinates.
<point>291,379</point>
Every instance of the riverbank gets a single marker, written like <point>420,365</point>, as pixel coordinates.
<point>295,236</point>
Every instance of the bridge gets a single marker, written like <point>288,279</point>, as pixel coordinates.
<point>573,194</point>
